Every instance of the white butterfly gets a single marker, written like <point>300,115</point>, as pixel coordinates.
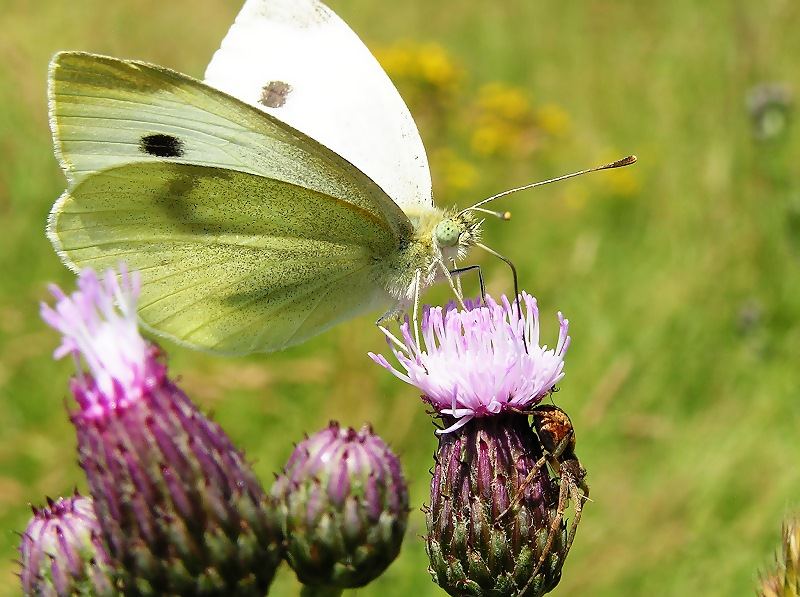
<point>288,192</point>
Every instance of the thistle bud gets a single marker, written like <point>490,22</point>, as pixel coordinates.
<point>492,509</point>
<point>784,579</point>
<point>178,506</point>
<point>61,551</point>
<point>343,507</point>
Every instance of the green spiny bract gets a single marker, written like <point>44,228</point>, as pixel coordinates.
<point>487,523</point>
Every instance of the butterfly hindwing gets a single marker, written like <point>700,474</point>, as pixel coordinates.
<point>298,61</point>
<point>230,261</point>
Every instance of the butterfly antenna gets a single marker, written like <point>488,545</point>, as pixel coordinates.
<point>503,215</point>
<point>626,161</point>
<point>516,284</point>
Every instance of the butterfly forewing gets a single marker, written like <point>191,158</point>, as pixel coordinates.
<point>250,236</point>
<point>107,112</point>
<point>298,61</point>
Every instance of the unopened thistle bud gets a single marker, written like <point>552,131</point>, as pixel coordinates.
<point>179,507</point>
<point>496,517</point>
<point>62,553</point>
<point>344,508</point>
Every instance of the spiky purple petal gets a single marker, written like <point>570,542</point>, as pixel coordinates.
<point>481,361</point>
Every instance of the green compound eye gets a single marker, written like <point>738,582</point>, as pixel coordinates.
<point>447,233</point>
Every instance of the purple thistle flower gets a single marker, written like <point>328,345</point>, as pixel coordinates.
<point>61,551</point>
<point>179,507</point>
<point>479,362</point>
<point>496,515</point>
<point>98,323</point>
<point>343,506</point>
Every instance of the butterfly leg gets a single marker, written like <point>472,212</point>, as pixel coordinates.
<point>390,314</point>
<point>509,263</point>
<point>462,270</point>
<point>390,336</point>
<point>415,315</point>
<point>447,275</point>
<point>457,278</point>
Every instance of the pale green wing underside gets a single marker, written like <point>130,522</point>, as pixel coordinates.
<point>102,108</point>
<point>230,262</point>
<point>250,236</point>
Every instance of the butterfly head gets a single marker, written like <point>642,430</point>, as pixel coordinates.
<point>457,233</point>
<point>447,232</point>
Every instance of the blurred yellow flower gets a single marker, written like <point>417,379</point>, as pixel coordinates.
<point>454,172</point>
<point>575,198</point>
<point>426,64</point>
<point>436,66</point>
<point>499,119</point>
<point>504,122</point>
<point>487,139</point>
<point>397,60</point>
<point>622,182</point>
<point>553,119</point>
<point>504,101</point>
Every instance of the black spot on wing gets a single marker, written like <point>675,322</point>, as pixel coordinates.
<point>160,145</point>
<point>274,94</point>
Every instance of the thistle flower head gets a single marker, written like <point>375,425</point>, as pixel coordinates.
<point>61,551</point>
<point>481,361</point>
<point>343,507</point>
<point>178,506</point>
<point>98,325</point>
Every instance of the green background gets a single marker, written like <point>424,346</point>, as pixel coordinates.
<point>681,283</point>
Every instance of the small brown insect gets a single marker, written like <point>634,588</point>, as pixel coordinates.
<point>553,427</point>
<point>557,437</point>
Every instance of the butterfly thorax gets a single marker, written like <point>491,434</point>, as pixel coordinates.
<point>439,238</point>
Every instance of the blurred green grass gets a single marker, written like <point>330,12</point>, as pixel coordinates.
<point>684,296</point>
